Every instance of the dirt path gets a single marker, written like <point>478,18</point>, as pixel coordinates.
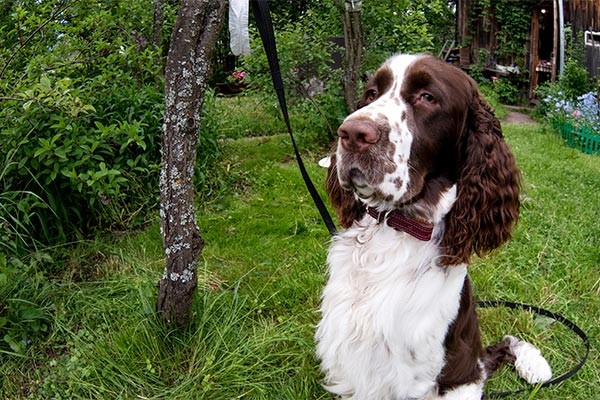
<point>515,116</point>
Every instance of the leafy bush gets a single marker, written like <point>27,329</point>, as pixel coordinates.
<point>411,26</point>
<point>316,120</point>
<point>575,79</point>
<point>89,164</point>
<point>508,92</point>
<point>25,308</point>
<point>546,90</point>
<point>493,100</point>
<point>80,118</point>
<point>478,67</point>
<point>574,82</point>
<point>303,54</point>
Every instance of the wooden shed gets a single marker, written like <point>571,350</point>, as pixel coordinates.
<point>478,29</point>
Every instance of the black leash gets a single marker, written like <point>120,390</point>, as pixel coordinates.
<point>557,317</point>
<point>264,23</point>
<point>265,27</point>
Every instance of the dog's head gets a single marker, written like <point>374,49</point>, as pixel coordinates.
<point>421,128</point>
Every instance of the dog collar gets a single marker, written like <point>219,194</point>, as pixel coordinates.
<point>400,222</point>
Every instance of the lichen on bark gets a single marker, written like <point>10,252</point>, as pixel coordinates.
<point>186,75</point>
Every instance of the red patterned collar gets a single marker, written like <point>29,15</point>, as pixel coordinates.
<point>400,222</point>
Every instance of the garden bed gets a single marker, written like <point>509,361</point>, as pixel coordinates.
<point>578,121</point>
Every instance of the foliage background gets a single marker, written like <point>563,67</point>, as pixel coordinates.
<point>81,100</point>
<point>81,95</point>
<point>81,92</point>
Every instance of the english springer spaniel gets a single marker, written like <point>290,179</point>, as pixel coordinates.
<point>421,180</point>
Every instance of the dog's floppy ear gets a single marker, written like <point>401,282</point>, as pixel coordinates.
<point>487,204</point>
<point>347,208</point>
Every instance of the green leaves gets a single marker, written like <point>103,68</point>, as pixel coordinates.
<point>24,306</point>
<point>411,26</point>
<point>513,19</point>
<point>56,95</point>
<point>80,116</point>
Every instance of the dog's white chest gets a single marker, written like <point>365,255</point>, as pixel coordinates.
<point>385,313</point>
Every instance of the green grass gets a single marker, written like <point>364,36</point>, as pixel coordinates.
<point>553,260</point>
<point>251,114</point>
<point>260,279</point>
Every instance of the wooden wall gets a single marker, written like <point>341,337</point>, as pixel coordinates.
<point>581,15</point>
<point>585,15</point>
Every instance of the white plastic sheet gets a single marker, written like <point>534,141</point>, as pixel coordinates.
<point>238,27</point>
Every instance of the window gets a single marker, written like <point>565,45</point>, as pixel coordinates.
<point>592,38</point>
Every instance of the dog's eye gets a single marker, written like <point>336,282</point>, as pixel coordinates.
<point>367,98</point>
<point>371,94</point>
<point>427,97</point>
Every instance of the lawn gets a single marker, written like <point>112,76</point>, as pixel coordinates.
<point>260,278</point>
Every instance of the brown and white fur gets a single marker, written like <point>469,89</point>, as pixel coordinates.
<point>398,315</point>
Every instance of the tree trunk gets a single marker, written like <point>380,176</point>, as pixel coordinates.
<point>188,69</point>
<point>158,23</point>
<point>353,40</point>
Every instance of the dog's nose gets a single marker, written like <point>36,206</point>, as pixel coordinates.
<point>358,135</point>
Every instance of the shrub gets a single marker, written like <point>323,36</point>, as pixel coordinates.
<point>93,165</point>
<point>80,119</point>
<point>574,82</point>
<point>493,100</point>
<point>305,56</point>
<point>507,92</point>
<point>478,67</point>
<point>575,79</point>
<point>302,56</point>
<point>25,308</point>
<point>545,91</point>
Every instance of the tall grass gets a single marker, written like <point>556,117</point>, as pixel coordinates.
<point>260,279</point>
<point>17,208</point>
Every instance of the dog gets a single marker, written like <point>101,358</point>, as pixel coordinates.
<point>421,180</point>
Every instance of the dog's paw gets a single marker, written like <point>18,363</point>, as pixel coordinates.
<point>529,363</point>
